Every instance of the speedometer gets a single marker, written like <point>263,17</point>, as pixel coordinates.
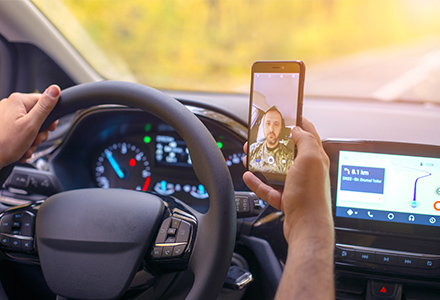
<point>123,165</point>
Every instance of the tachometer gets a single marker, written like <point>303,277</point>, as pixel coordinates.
<point>123,165</point>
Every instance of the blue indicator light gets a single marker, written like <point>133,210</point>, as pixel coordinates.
<point>163,185</point>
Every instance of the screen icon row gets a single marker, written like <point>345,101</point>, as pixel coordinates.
<point>390,216</point>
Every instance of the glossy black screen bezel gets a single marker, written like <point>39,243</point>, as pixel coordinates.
<point>369,226</point>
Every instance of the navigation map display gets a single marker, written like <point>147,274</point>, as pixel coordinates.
<point>388,187</point>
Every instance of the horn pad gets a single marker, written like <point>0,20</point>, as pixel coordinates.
<point>91,242</point>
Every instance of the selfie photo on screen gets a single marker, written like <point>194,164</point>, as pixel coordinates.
<point>273,116</point>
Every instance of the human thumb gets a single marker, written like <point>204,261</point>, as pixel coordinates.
<point>45,105</point>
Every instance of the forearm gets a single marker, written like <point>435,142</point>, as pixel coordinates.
<point>309,270</point>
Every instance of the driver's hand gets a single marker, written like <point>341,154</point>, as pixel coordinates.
<point>306,195</point>
<point>21,116</point>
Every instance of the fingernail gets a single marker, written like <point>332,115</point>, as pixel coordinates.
<point>52,91</point>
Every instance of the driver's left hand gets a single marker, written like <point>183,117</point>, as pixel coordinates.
<point>21,116</point>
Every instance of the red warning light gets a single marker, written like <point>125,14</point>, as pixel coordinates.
<point>132,162</point>
<point>383,290</point>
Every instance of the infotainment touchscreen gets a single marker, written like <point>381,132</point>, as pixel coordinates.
<point>388,187</point>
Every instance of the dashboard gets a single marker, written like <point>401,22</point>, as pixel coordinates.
<point>386,195</point>
<point>118,147</point>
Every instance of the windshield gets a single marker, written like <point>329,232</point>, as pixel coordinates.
<point>366,49</point>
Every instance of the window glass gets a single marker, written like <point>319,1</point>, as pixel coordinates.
<point>364,49</point>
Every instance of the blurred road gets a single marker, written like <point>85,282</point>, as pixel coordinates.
<point>410,72</point>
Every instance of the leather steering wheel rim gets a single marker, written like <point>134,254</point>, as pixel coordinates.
<point>214,244</point>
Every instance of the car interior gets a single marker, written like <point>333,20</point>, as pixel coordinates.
<point>138,193</point>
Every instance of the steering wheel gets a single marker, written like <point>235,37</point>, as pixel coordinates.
<point>91,242</point>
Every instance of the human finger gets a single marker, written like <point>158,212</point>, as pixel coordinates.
<point>245,146</point>
<point>41,137</point>
<point>309,127</point>
<point>29,100</point>
<point>53,126</point>
<point>24,100</point>
<point>28,154</point>
<point>263,191</point>
<point>304,139</point>
<point>44,106</point>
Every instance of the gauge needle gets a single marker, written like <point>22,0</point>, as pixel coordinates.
<point>114,164</point>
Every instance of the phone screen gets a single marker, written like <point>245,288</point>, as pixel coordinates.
<point>275,108</point>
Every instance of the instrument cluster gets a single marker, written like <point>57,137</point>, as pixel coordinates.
<point>130,149</point>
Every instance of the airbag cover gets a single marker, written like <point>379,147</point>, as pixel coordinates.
<point>91,242</point>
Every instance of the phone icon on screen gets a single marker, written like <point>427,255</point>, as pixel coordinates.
<point>370,214</point>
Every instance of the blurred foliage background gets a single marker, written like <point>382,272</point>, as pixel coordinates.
<point>210,45</point>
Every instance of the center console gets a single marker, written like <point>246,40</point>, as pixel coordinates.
<point>386,205</point>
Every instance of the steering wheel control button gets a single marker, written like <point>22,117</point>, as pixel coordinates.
<point>6,223</point>
<point>167,252</point>
<point>5,241</point>
<point>26,245</point>
<point>27,225</point>
<point>172,231</point>
<point>170,239</point>
<point>183,232</point>
<point>18,217</point>
<point>175,223</point>
<point>163,231</point>
<point>15,244</point>
<point>157,252</point>
<point>178,250</point>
